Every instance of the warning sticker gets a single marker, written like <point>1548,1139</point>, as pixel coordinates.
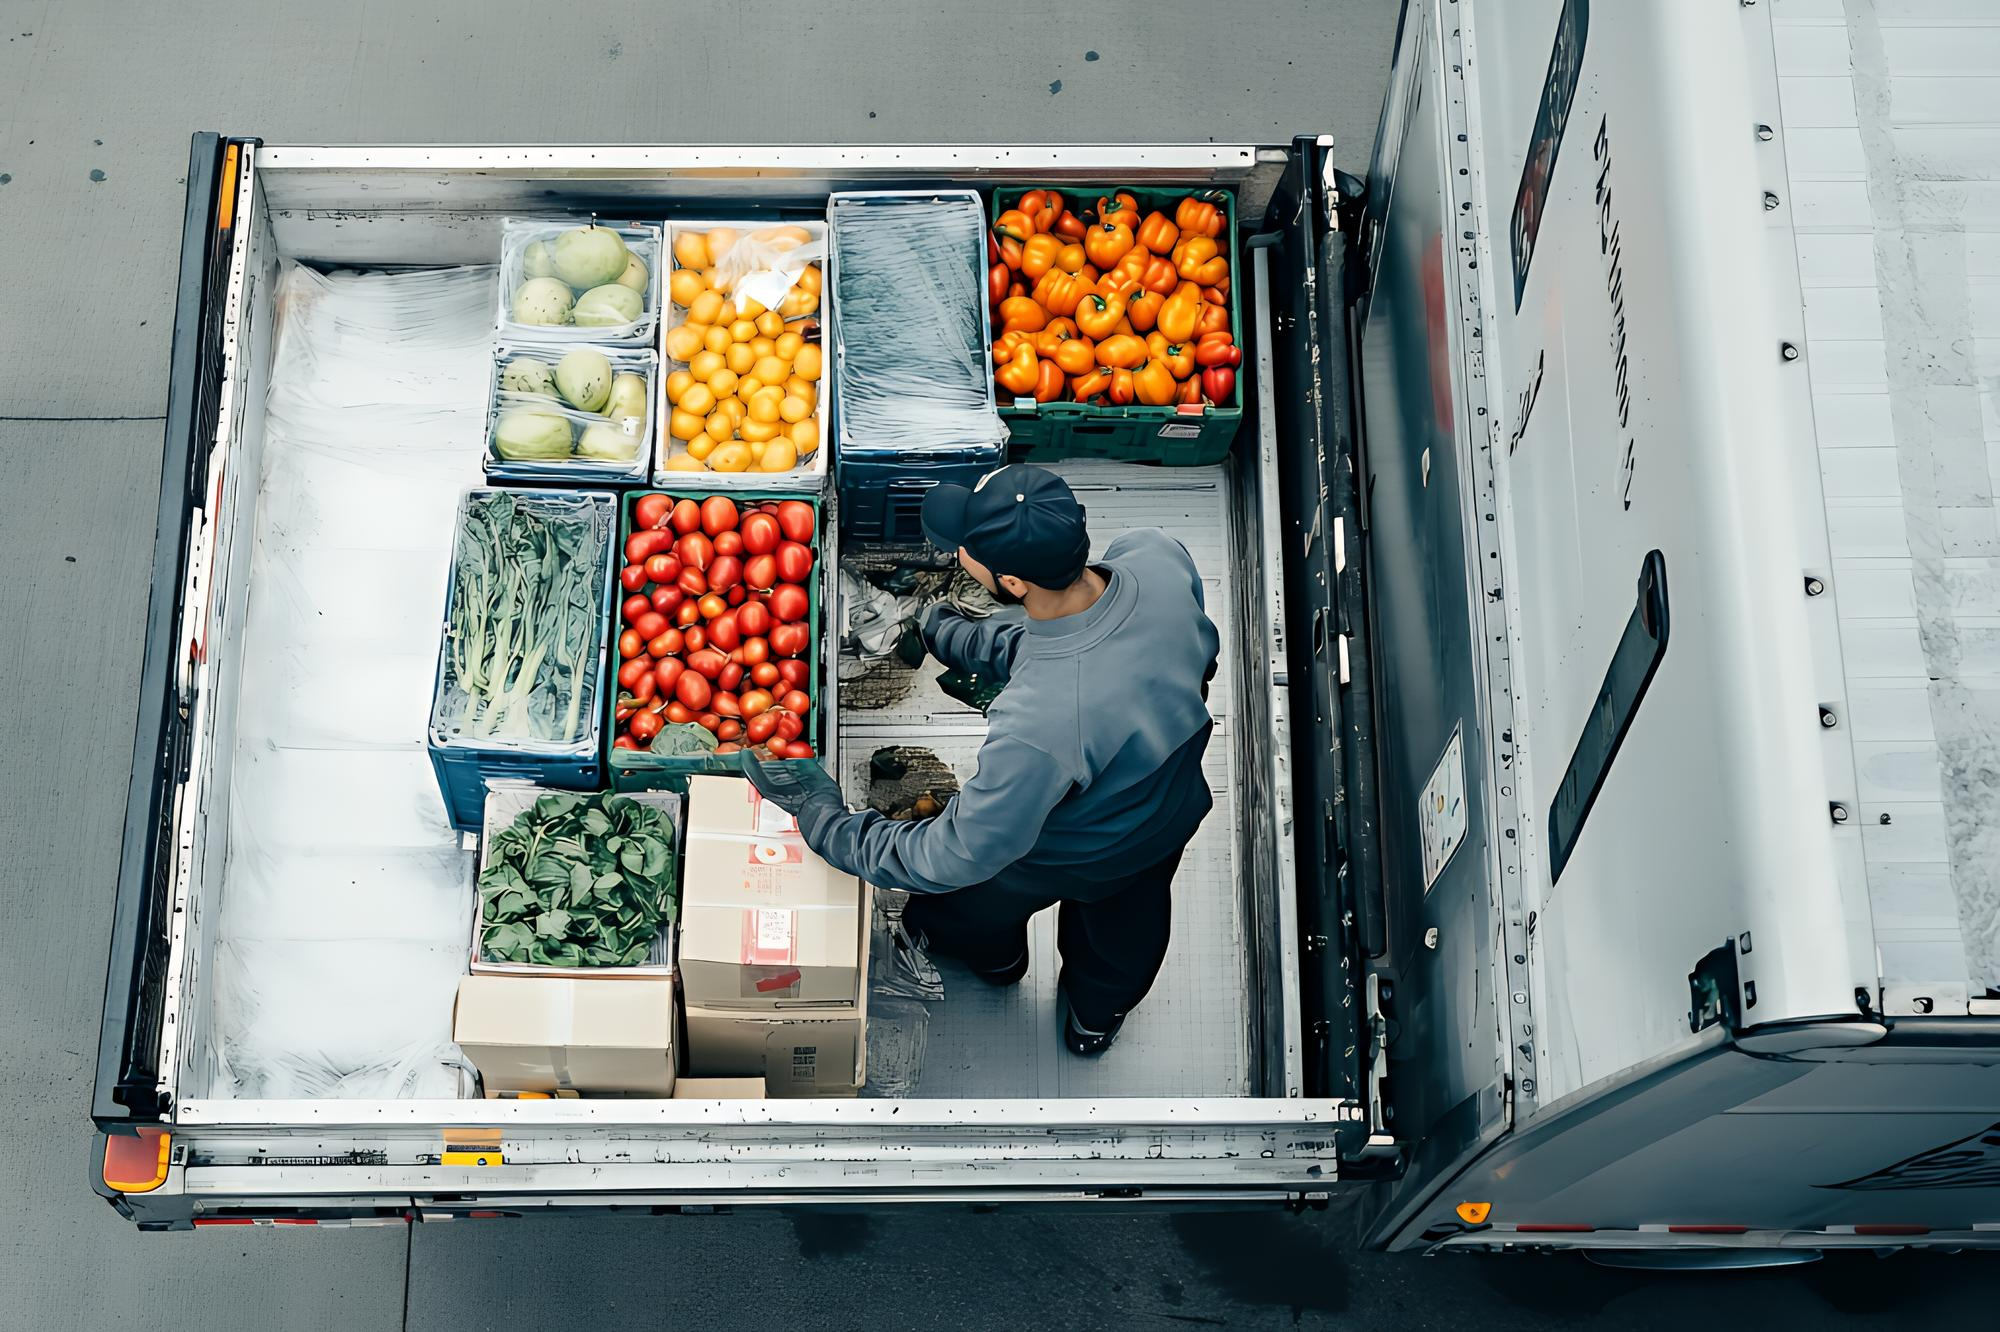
<point>1442,812</point>
<point>1180,430</point>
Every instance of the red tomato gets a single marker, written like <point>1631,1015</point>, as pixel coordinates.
<point>727,747</point>
<point>709,720</point>
<point>796,701</point>
<point>707,663</point>
<point>789,640</point>
<point>662,569</point>
<point>760,533</point>
<point>800,749</point>
<point>731,729</point>
<point>718,514</point>
<point>687,613</point>
<point>694,638</point>
<point>652,509</point>
<point>795,562</point>
<point>780,747</point>
<point>729,543</point>
<point>677,711</point>
<point>723,631</point>
<point>736,595</point>
<point>686,517</point>
<point>731,677</point>
<point>650,625</point>
<point>665,644</point>
<point>635,607</point>
<point>725,573</point>
<point>726,704</point>
<point>643,691</point>
<point>630,644</point>
<point>624,742</point>
<point>646,725</point>
<point>632,577</point>
<point>757,701</point>
<point>790,604</point>
<point>795,520</point>
<point>669,673</point>
<point>794,673</point>
<point>764,674</point>
<point>672,569</point>
<point>692,689</point>
<point>666,598</point>
<point>756,651</point>
<point>629,673</point>
<point>693,582</point>
<point>640,545</point>
<point>696,551</point>
<point>761,572</point>
<point>712,606</point>
<point>761,726</point>
<point>754,620</point>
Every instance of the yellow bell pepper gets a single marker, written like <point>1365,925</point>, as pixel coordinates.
<point>1154,384</point>
<point>1021,373</point>
<point>1157,233</point>
<point>1038,255</point>
<point>1107,243</point>
<point>1120,351</point>
<point>1180,314</point>
<point>1097,316</point>
<point>1197,259</point>
<point>1058,292</point>
<point>1023,312</point>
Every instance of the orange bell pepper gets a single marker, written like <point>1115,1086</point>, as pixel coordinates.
<point>1190,394</point>
<point>1005,249</point>
<point>1041,208</point>
<point>1125,324</point>
<point>1069,226</point>
<point>1075,355</point>
<point>1085,387</point>
<point>1214,319</point>
<point>1154,384</point>
<point>1215,296</point>
<point>1014,224</point>
<point>1178,357</point>
<point>1021,373</point>
<point>1120,207</point>
<point>1197,218</point>
<point>1107,243</point>
<point>1144,310</point>
<point>1122,391</point>
<point>1049,381</point>
<point>1179,315</point>
<point>1023,312</point>
<point>1098,315</point>
<point>1116,283</point>
<point>1058,292</point>
<point>1007,343</point>
<point>1159,276</point>
<point>1090,274</point>
<point>1071,258</point>
<point>1217,349</point>
<point>1121,351</point>
<point>1157,233</point>
<point>1197,259</point>
<point>1038,255</point>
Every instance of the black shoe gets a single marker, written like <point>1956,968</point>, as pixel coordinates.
<point>1088,1044</point>
<point>1008,975</point>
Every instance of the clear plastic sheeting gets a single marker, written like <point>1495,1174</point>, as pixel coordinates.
<point>346,899</point>
<point>911,365</point>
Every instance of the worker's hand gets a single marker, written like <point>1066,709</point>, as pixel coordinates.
<point>932,625</point>
<point>797,786</point>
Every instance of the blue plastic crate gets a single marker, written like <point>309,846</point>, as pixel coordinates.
<point>882,499</point>
<point>464,766</point>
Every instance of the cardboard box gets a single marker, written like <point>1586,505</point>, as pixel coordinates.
<point>534,1033</point>
<point>719,1089</point>
<point>766,925</point>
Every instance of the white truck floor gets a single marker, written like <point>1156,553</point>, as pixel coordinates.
<point>1191,1035</point>
<point>1892,145</point>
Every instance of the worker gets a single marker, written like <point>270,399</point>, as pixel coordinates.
<point>1089,783</point>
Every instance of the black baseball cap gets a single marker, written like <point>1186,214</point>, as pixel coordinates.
<point>1017,520</point>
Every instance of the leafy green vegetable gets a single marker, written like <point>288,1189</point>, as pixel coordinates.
<point>579,881</point>
<point>683,738</point>
<point>521,646</point>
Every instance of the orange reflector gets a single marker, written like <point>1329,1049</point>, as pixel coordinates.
<point>1473,1214</point>
<point>225,207</point>
<point>136,1163</point>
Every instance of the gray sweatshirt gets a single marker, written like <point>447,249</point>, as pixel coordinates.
<point>1091,767</point>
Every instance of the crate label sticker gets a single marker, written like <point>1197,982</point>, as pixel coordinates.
<point>1442,813</point>
<point>1180,430</point>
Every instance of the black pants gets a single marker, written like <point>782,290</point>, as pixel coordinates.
<point>1112,945</point>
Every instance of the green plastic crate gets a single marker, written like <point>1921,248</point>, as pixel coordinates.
<point>636,770</point>
<point>1052,431</point>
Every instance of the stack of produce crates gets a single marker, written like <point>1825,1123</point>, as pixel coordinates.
<point>489,721</point>
<point>1179,436</point>
<point>912,376</point>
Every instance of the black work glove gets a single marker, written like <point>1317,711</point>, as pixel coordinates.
<point>800,787</point>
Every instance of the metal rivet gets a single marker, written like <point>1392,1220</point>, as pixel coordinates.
<point>1743,942</point>
<point>1764,133</point>
<point>1827,719</point>
<point>1814,586</point>
<point>1528,1086</point>
<point>1788,351</point>
<point>1770,201</point>
<point>1431,937</point>
<point>1838,811</point>
<point>1749,994</point>
<point>1520,997</point>
<point>1923,1004</point>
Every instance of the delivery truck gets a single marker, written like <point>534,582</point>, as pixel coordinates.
<point>1607,845</point>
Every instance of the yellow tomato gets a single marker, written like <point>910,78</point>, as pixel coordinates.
<point>731,457</point>
<point>699,399</point>
<point>764,407</point>
<point>690,251</point>
<point>706,308</point>
<point>807,362</point>
<point>757,447</point>
<point>772,370</point>
<point>743,330</point>
<point>809,280</point>
<point>749,387</point>
<point>761,347</point>
<point>770,323</point>
<point>684,425</point>
<point>685,341</point>
<point>685,462</point>
<point>741,357</point>
<point>780,455</point>
<point>787,345</point>
<point>720,425</point>
<point>701,446</point>
<point>735,407</point>
<point>794,410</point>
<point>752,308</point>
<point>805,434</point>
<point>679,382</point>
<point>685,285</point>
<point>719,242</point>
<point>723,381</point>
<point>761,432</point>
<point>705,364</point>
<point>728,314</point>
<point>717,338</point>
<point>801,388</point>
